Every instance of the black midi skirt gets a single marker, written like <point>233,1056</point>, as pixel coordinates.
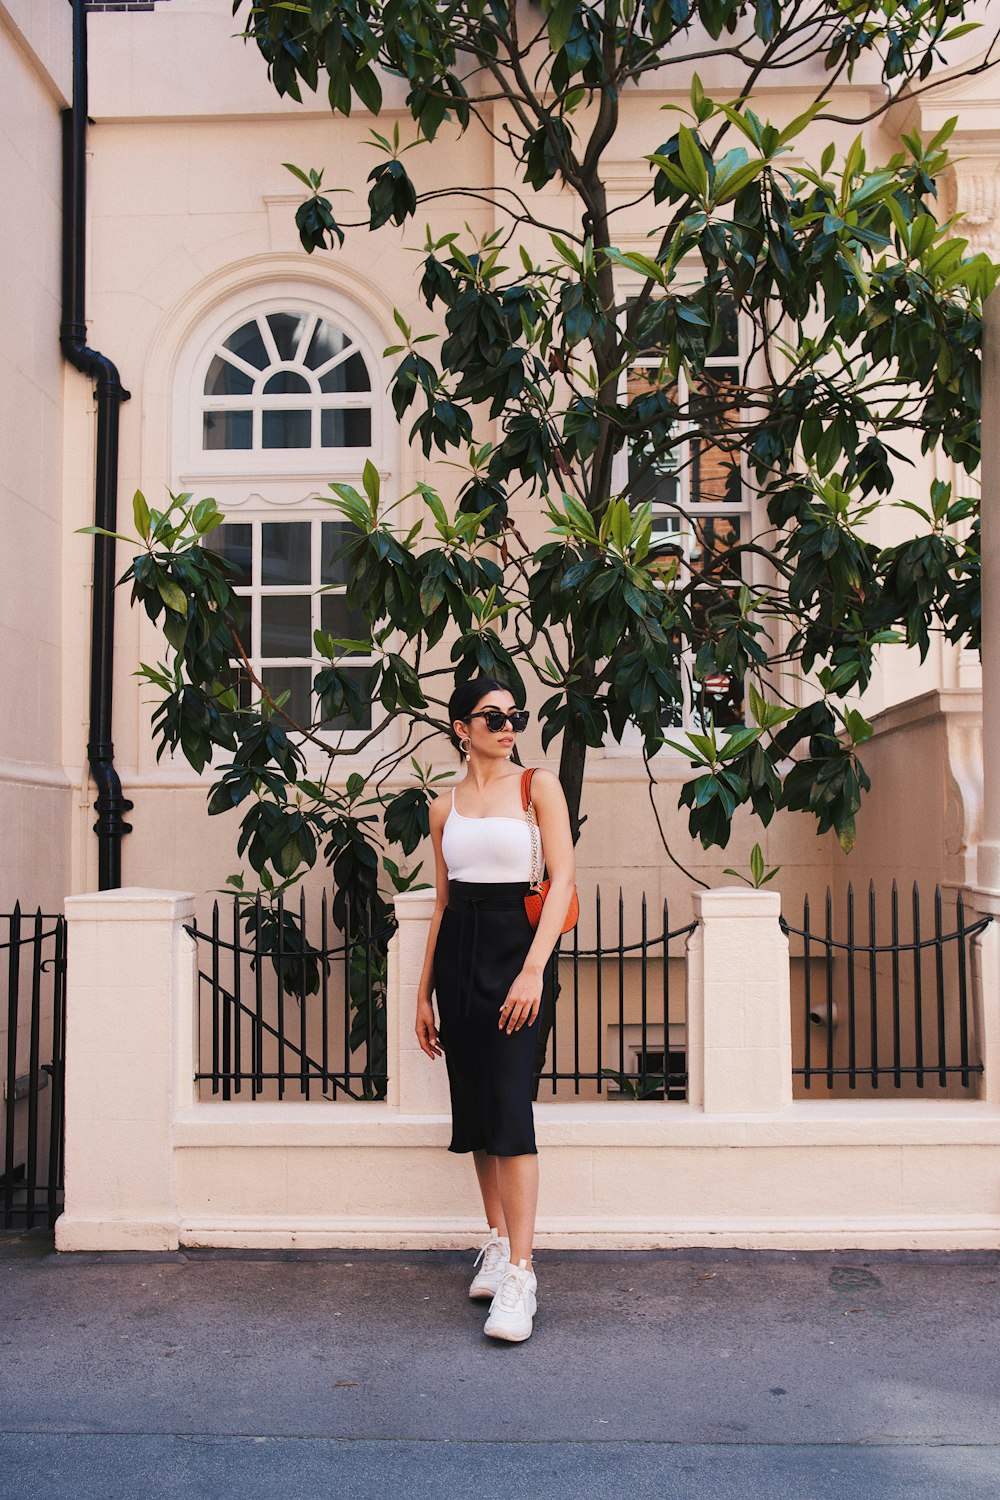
<point>482,943</point>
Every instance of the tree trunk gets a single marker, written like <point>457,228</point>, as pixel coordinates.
<point>573,757</point>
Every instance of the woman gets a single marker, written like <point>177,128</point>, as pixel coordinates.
<point>485,965</point>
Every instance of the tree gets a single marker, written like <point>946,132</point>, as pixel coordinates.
<point>860,315</point>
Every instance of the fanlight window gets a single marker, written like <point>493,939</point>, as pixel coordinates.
<point>287,380</point>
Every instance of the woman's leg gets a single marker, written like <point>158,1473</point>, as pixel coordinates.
<point>517,1180</point>
<point>486,1171</point>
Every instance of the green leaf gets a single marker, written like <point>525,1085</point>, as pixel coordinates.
<point>372,483</point>
<point>140,512</point>
<point>795,127</point>
<point>368,89</point>
<point>691,161</point>
<point>738,741</point>
<point>172,595</point>
<point>303,177</point>
<point>560,22</point>
<point>756,864</point>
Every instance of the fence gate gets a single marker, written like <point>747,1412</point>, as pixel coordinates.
<point>33,1010</point>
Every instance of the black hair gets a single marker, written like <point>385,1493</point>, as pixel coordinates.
<point>466,696</point>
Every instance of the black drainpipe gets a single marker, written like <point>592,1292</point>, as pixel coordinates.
<point>111,805</point>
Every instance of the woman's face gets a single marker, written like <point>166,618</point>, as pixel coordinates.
<point>490,746</point>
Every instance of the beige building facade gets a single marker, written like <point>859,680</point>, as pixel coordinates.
<point>198,290</point>
<point>192,243</point>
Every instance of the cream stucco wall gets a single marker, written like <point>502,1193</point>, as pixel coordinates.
<point>35,796</point>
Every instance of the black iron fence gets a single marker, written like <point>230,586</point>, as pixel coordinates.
<point>33,970</point>
<point>614,1012</point>
<point>290,1010</point>
<point>886,1000</point>
<point>295,1008</point>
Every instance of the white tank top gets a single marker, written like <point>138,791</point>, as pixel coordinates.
<point>486,850</point>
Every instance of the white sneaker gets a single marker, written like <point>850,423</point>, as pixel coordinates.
<point>514,1305</point>
<point>495,1257</point>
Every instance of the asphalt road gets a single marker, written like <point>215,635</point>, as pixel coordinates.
<point>677,1375</point>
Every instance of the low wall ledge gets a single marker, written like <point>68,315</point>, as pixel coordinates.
<point>130,904</point>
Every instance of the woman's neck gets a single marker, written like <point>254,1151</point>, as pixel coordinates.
<point>483,773</point>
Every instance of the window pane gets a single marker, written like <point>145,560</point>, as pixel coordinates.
<point>248,344</point>
<point>347,429</point>
<point>352,375</point>
<point>653,460</point>
<point>233,541</point>
<point>287,429</point>
<point>730,329</point>
<point>715,473</point>
<point>713,538</point>
<point>334,535</point>
<point>287,330</point>
<point>344,721</point>
<point>324,344</point>
<point>338,619</point>
<point>224,379</point>
<point>715,476</point>
<point>666,546</point>
<point>286,625</point>
<point>227,429</point>
<point>297,681</point>
<point>653,475</point>
<point>717,701</point>
<point>286,383</point>
<point>649,380</point>
<point>234,676</point>
<point>286,553</point>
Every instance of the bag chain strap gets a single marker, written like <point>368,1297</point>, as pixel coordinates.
<point>536,848</point>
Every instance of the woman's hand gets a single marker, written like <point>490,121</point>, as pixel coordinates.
<point>426,1029</point>
<point>523,999</point>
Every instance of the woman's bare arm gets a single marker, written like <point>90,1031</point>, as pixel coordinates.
<point>426,1026</point>
<point>525,995</point>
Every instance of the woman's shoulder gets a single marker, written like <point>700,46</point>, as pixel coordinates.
<point>437,813</point>
<point>544,782</point>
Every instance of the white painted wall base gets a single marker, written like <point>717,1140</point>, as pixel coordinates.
<point>970,1233</point>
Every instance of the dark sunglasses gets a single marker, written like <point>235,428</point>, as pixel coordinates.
<point>496,719</point>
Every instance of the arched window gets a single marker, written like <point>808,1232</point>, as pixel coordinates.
<point>287,379</point>
<point>280,395</point>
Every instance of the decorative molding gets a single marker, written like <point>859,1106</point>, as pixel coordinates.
<point>32,773</point>
<point>976,191</point>
<point>963,816</point>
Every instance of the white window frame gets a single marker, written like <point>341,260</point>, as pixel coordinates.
<point>285,484</point>
<point>315,591</point>
<point>223,464</point>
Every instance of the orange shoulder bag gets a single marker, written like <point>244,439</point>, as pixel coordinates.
<point>535,898</point>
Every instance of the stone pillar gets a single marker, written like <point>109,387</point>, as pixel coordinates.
<point>985,977</point>
<point>739,1024</point>
<point>987,893</point>
<point>421,1086</point>
<point>130,1050</point>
